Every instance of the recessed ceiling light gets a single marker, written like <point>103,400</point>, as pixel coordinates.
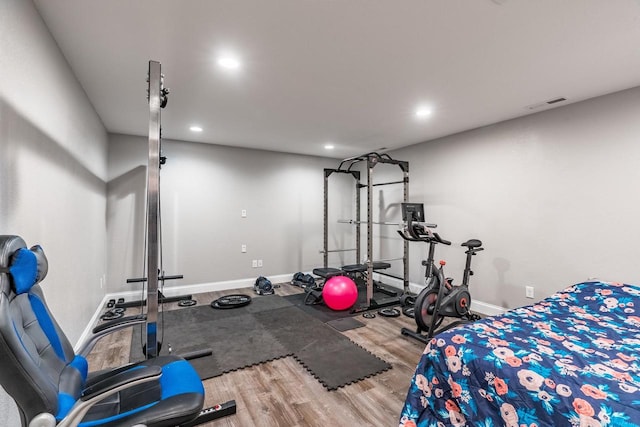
<point>229,62</point>
<point>423,112</point>
<point>195,129</point>
<point>329,146</point>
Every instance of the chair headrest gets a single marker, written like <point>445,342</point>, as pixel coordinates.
<point>26,268</point>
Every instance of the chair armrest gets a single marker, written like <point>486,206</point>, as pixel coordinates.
<point>97,376</point>
<point>120,379</point>
<point>103,389</point>
<point>107,328</point>
<point>118,323</point>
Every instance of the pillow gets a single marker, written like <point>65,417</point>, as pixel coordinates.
<point>24,270</point>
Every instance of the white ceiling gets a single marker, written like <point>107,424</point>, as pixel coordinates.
<point>347,71</point>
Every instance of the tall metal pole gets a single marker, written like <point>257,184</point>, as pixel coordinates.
<point>358,243</point>
<point>153,207</point>
<point>327,173</point>
<point>370,164</point>
<point>405,262</point>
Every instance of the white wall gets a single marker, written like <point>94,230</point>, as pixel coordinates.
<point>553,196</point>
<point>52,169</point>
<point>204,188</point>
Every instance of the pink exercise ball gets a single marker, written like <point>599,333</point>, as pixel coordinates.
<point>339,293</point>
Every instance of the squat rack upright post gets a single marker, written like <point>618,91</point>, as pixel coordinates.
<point>373,159</point>
<point>356,177</point>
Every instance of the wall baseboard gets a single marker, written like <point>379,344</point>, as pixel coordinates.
<point>92,323</point>
<point>477,306</point>
<point>486,308</point>
<point>199,288</point>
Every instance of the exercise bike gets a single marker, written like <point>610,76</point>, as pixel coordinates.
<point>439,298</point>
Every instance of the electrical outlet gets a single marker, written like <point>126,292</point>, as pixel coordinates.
<point>254,263</point>
<point>259,263</point>
<point>529,292</point>
<point>243,249</point>
<point>243,213</point>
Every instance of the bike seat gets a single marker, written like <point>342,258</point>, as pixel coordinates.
<point>472,243</point>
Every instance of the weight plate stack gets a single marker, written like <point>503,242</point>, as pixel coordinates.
<point>231,301</point>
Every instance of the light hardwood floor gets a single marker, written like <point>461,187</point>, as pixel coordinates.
<point>283,393</point>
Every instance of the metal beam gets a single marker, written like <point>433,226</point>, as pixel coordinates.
<point>153,207</point>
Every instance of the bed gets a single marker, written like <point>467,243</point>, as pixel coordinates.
<point>572,359</point>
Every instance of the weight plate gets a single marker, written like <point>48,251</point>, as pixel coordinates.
<point>235,299</point>
<point>232,301</point>
<point>110,315</point>
<point>368,315</point>
<point>409,312</point>
<point>389,312</point>
<point>407,300</point>
<point>186,303</point>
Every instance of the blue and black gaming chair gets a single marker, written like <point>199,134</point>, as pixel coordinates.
<point>50,383</point>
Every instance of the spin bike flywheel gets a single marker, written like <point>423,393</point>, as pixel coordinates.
<point>424,310</point>
<point>463,302</point>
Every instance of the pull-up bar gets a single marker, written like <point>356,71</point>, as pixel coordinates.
<point>160,278</point>
<point>371,157</point>
<point>354,221</point>
<point>335,250</point>
<point>386,183</point>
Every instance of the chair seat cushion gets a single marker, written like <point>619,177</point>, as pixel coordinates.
<point>177,397</point>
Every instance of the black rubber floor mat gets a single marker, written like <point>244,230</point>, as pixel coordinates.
<point>345,324</point>
<point>269,328</point>
<point>329,356</point>
<point>237,340</point>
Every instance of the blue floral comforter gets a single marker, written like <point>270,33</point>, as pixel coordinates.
<point>569,360</point>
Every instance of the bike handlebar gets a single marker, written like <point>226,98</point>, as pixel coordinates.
<point>412,236</point>
<point>441,240</point>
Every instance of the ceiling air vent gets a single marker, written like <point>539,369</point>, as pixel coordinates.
<point>546,103</point>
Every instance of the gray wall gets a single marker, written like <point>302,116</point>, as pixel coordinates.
<point>52,169</point>
<point>553,196</point>
<point>204,188</point>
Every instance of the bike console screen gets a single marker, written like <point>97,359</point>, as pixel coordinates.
<point>413,212</point>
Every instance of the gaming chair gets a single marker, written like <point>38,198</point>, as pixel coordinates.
<point>51,384</point>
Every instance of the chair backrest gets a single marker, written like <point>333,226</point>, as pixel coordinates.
<point>38,367</point>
